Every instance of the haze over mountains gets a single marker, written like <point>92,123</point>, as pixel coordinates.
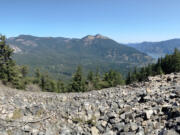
<point>60,56</point>
<point>157,49</point>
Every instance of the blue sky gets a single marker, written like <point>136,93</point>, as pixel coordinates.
<point>122,20</point>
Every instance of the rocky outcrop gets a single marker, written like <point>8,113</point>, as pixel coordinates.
<point>148,108</point>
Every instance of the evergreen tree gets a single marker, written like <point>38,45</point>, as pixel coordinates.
<point>43,83</point>
<point>159,70</point>
<point>149,70</point>
<point>60,86</point>
<point>176,60</point>
<point>90,76</point>
<point>90,81</point>
<point>135,75</point>
<point>143,74</point>
<point>51,86</point>
<point>38,77</point>
<point>48,84</point>
<point>37,73</point>
<point>110,77</point>
<point>78,84</point>
<point>166,65</point>
<point>128,79</point>
<point>24,71</point>
<point>119,79</point>
<point>113,78</point>
<point>8,69</point>
<point>97,79</point>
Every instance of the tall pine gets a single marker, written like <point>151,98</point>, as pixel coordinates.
<point>8,69</point>
<point>78,84</point>
<point>176,60</point>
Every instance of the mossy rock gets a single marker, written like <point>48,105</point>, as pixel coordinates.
<point>17,114</point>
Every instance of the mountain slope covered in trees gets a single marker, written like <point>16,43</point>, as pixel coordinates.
<point>157,49</point>
<point>16,76</point>
<point>60,56</point>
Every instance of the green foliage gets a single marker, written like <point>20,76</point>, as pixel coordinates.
<point>90,81</point>
<point>16,76</point>
<point>176,58</point>
<point>90,76</point>
<point>9,72</point>
<point>54,55</point>
<point>110,79</point>
<point>48,84</point>
<point>37,77</point>
<point>113,78</point>
<point>97,79</point>
<point>24,71</point>
<point>78,83</point>
<point>166,65</point>
<point>43,82</point>
<point>157,49</point>
<point>60,87</point>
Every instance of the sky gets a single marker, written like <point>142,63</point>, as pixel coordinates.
<point>125,21</point>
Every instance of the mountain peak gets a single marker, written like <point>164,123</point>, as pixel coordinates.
<point>24,36</point>
<point>91,37</point>
<point>100,36</point>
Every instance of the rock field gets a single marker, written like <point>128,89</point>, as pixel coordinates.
<point>148,108</point>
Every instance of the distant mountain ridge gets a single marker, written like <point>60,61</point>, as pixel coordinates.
<point>157,49</point>
<point>60,56</point>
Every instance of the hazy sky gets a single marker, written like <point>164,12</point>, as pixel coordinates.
<point>123,20</point>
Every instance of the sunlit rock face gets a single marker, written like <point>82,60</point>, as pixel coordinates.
<point>16,49</point>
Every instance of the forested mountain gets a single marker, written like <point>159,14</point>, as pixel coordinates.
<point>60,56</point>
<point>157,49</point>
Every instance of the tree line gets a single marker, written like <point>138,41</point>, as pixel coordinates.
<point>16,76</point>
<point>169,64</point>
<point>78,83</point>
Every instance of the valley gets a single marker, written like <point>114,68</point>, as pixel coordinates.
<point>157,49</point>
<point>60,56</point>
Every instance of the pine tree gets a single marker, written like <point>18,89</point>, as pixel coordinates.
<point>90,81</point>
<point>37,77</point>
<point>143,74</point>
<point>159,70</point>
<point>97,79</point>
<point>90,76</point>
<point>51,87</point>
<point>24,71</point>
<point>129,80</point>
<point>78,84</point>
<point>119,79</point>
<point>37,73</point>
<point>166,65</point>
<point>43,83</point>
<point>149,70</point>
<point>114,78</point>
<point>60,86</point>
<point>110,78</point>
<point>176,60</point>
<point>8,69</point>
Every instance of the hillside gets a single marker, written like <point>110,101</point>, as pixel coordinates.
<point>157,49</point>
<point>60,56</point>
<point>149,108</point>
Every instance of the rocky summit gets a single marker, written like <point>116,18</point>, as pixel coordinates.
<point>148,108</point>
